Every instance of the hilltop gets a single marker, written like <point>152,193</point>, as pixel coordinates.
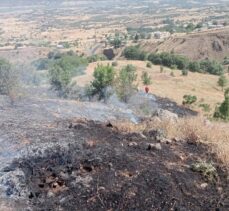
<point>196,46</point>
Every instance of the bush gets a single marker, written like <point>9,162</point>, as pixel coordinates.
<point>172,74</point>
<point>222,81</point>
<point>222,112</point>
<point>114,64</point>
<point>194,67</point>
<point>169,60</point>
<point>103,77</point>
<point>185,72</point>
<point>207,170</point>
<point>97,57</point>
<point>161,69</point>
<point>205,107</point>
<point>125,82</point>
<point>189,99</point>
<point>146,79</point>
<point>62,71</point>
<point>134,52</point>
<point>9,78</point>
<point>149,65</point>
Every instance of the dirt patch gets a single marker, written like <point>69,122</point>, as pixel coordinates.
<point>101,168</point>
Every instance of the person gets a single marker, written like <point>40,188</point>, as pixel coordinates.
<point>147,89</point>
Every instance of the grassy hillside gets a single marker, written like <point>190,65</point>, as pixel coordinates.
<point>204,86</point>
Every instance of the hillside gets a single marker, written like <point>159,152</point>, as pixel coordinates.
<point>204,86</point>
<point>64,162</point>
<point>213,45</point>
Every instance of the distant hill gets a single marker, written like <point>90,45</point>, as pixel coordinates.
<point>203,45</point>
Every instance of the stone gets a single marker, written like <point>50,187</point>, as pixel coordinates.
<point>132,144</point>
<point>156,146</point>
<point>166,141</point>
<point>204,185</point>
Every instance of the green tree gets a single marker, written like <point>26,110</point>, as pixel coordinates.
<point>222,81</point>
<point>189,99</point>
<point>222,111</point>
<point>117,42</point>
<point>125,85</point>
<point>134,52</point>
<point>63,70</point>
<point>103,77</point>
<point>146,79</point>
<point>194,66</point>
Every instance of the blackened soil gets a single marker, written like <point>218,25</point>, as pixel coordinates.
<point>108,171</point>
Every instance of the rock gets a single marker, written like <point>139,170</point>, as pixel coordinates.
<point>204,185</point>
<point>156,146</point>
<point>142,135</point>
<point>166,141</point>
<point>166,115</point>
<point>50,194</point>
<point>132,144</point>
<point>157,135</point>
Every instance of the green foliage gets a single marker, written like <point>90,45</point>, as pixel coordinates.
<point>205,107</point>
<point>169,60</point>
<point>135,53</point>
<point>189,99</point>
<point>146,79</point>
<point>211,67</point>
<point>222,112</point>
<point>185,72</point>
<point>172,60</point>
<point>194,66</point>
<point>97,57</point>
<point>125,82</point>
<point>114,64</point>
<point>149,65</point>
<point>8,78</point>
<point>62,70</point>
<point>103,77</point>
<point>222,81</point>
<point>41,64</point>
<point>117,42</point>
<point>207,170</point>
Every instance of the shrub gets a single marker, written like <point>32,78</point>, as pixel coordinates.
<point>172,74</point>
<point>185,72</point>
<point>97,57</point>
<point>114,64</point>
<point>103,77</point>
<point>146,79</point>
<point>205,107</point>
<point>134,52</point>
<point>189,99</point>
<point>9,78</point>
<point>125,82</point>
<point>222,112</point>
<point>62,70</point>
<point>161,69</point>
<point>207,170</point>
<point>222,81</point>
<point>149,65</point>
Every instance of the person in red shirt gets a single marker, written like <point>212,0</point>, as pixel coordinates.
<point>147,89</point>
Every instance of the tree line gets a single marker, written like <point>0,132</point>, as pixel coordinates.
<point>174,61</point>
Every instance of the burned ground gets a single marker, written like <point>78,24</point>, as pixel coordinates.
<point>101,168</point>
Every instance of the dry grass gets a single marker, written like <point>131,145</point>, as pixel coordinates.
<point>204,86</point>
<point>196,129</point>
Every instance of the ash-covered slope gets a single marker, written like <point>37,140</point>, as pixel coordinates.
<point>94,166</point>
